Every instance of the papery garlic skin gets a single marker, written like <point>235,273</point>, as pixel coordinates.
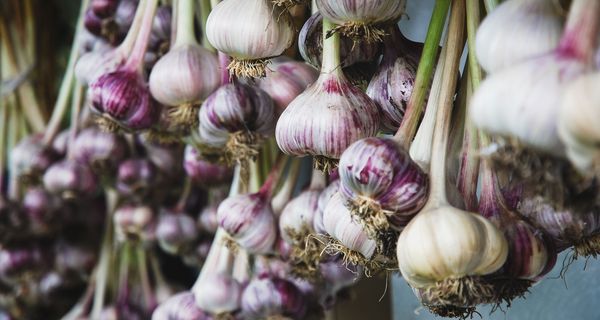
<point>528,254</point>
<point>324,197</point>
<point>218,294</point>
<point>30,158</point>
<point>362,12</point>
<point>324,120</point>
<point>249,220</point>
<point>94,64</point>
<point>448,243</point>
<point>204,172</point>
<point>298,215</point>
<point>339,224</point>
<point>249,29</point>
<point>98,149</point>
<point>181,306</point>
<point>175,231</point>
<point>380,172</point>
<point>70,179</point>
<point>272,297</point>
<point>523,101</point>
<point>186,74</point>
<point>577,126</point>
<point>517,30</point>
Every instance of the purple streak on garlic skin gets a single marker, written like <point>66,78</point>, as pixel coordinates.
<point>235,107</point>
<point>175,231</point>
<point>70,178</point>
<point>566,227</point>
<point>324,198</point>
<point>204,172</point>
<point>285,80</point>
<point>392,85</point>
<point>123,96</point>
<point>339,224</point>
<point>136,176</point>
<point>249,220</point>
<point>310,45</point>
<point>271,296</point>
<point>379,170</point>
<point>324,120</point>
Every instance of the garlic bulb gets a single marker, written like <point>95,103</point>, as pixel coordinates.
<point>356,246</point>
<point>329,116</point>
<point>218,294</point>
<point>362,18</point>
<point>391,87</point>
<point>285,80</point>
<point>352,51</point>
<point>250,31</point>
<point>102,151</point>
<point>203,172</point>
<point>324,198</point>
<point>176,231</point>
<point>270,297</point>
<point>249,220</point>
<point>523,101</point>
<point>134,222</point>
<point>576,125</point>
<point>383,187</point>
<point>187,74</point>
<point>296,219</point>
<point>70,179</point>
<point>516,31</point>
<point>181,306</point>
<point>30,158</point>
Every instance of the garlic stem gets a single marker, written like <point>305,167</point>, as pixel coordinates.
<point>285,192</point>
<point>185,23</point>
<point>127,45</point>
<point>224,61</point>
<point>76,103</point>
<point>142,264</point>
<point>136,59</point>
<point>469,166</point>
<point>269,186</point>
<point>414,109</point>
<point>204,12</point>
<point>64,93</point>
<point>490,5</point>
<point>317,180</point>
<point>331,50</point>
<point>439,153</point>
<point>581,31</point>
<point>13,139</point>
<point>473,20</point>
<point>3,142</point>
<point>241,266</point>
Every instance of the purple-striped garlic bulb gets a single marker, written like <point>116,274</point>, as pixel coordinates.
<point>203,172</point>
<point>104,8</point>
<point>181,306</point>
<point>122,98</point>
<point>135,222</point>
<point>326,195</point>
<point>528,251</point>
<point>207,219</point>
<point>249,220</point>
<point>176,231</point>
<point>31,158</point>
<point>251,32</point>
<point>391,87</point>
<point>329,116</point>
<point>43,211</point>
<point>348,237</point>
<point>136,177</point>
<point>310,45</point>
<point>187,74</point>
<point>271,296</point>
<point>102,151</point>
<point>70,179</point>
<point>218,294</point>
<point>233,121</point>
<point>285,80</point>
<point>381,185</point>
<point>362,19</point>
<point>576,225</point>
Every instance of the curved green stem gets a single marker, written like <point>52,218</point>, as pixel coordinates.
<point>408,127</point>
<point>204,12</point>
<point>490,5</point>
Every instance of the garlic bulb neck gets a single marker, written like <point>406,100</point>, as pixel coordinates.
<point>185,24</point>
<point>581,32</point>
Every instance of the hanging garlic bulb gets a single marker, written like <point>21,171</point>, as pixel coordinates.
<point>329,116</point>
<point>517,30</point>
<point>310,45</point>
<point>176,231</point>
<point>444,252</point>
<point>121,98</point>
<point>70,179</point>
<point>362,18</point>
<point>218,294</point>
<point>577,129</point>
<point>249,220</point>
<point>203,172</point>
<point>349,238</point>
<point>523,101</point>
<point>391,87</point>
<point>324,198</point>
<point>250,31</point>
<point>285,80</point>
<point>181,306</point>
<point>187,74</point>
<point>528,251</point>
<point>382,186</point>
<point>270,297</point>
<point>102,151</point>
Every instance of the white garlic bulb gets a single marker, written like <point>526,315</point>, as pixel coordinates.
<point>338,222</point>
<point>218,294</point>
<point>249,30</point>
<point>578,122</point>
<point>517,30</point>
<point>298,215</point>
<point>448,243</point>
